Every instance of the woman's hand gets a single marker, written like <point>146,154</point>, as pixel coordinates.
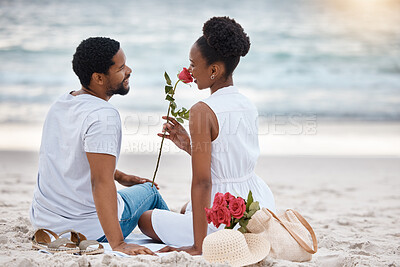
<point>129,180</point>
<point>192,250</point>
<point>176,133</point>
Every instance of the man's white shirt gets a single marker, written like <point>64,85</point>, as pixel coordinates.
<point>63,195</point>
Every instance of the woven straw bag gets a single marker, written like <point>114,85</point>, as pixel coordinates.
<point>290,235</point>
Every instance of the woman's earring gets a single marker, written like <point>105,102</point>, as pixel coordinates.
<point>212,77</point>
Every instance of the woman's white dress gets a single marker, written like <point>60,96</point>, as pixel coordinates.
<point>234,154</point>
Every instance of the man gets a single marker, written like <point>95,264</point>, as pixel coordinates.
<point>80,147</point>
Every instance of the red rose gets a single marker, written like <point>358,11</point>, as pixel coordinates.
<point>223,216</point>
<point>237,207</point>
<point>214,218</point>
<point>185,76</point>
<point>228,197</point>
<point>208,215</point>
<point>211,215</point>
<point>219,200</point>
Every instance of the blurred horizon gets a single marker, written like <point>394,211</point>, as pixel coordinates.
<point>337,59</point>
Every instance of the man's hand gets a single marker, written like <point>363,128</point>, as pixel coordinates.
<point>133,249</point>
<point>176,133</point>
<point>192,250</point>
<point>129,180</point>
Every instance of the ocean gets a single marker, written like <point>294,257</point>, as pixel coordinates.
<point>333,59</point>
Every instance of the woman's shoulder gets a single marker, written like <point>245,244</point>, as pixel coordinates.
<point>200,107</point>
<point>202,119</point>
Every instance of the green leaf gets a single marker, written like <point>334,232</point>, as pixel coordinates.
<point>167,79</point>
<point>251,213</point>
<point>254,206</point>
<point>249,200</point>
<point>173,113</point>
<point>169,89</point>
<point>169,98</point>
<point>173,105</point>
<point>180,120</point>
<point>242,230</point>
<point>186,116</point>
<point>243,222</point>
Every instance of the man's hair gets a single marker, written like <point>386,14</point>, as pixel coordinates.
<point>94,55</point>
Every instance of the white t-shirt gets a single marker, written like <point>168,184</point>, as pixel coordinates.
<point>63,195</point>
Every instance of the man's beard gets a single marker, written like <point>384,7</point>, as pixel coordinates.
<point>120,90</point>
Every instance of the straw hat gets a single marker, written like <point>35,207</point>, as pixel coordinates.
<point>235,248</point>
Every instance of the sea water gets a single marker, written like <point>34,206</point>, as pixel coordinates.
<point>332,59</point>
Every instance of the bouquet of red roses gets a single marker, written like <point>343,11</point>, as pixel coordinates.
<point>230,210</point>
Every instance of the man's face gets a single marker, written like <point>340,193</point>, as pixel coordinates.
<point>118,75</point>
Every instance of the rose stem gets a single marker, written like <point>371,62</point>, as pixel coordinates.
<point>163,137</point>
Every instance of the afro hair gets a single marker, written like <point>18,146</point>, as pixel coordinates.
<point>223,40</point>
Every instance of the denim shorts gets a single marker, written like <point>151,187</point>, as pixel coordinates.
<point>138,199</point>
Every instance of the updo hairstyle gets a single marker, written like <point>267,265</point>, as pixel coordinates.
<point>223,40</point>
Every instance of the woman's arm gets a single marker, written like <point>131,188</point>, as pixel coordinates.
<point>203,129</point>
<point>200,132</point>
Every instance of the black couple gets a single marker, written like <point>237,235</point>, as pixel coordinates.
<point>81,144</point>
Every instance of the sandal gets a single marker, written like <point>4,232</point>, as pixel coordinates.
<point>88,247</point>
<point>42,240</point>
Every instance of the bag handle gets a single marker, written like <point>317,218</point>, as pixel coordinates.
<point>295,236</point>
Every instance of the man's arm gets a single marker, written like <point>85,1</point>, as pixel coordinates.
<point>102,168</point>
<point>129,180</point>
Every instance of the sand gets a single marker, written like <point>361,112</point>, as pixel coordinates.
<point>353,204</point>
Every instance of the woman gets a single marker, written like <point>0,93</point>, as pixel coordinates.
<point>224,141</point>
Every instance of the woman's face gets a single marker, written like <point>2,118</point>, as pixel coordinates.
<point>199,68</point>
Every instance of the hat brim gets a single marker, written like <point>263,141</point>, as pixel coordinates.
<point>259,248</point>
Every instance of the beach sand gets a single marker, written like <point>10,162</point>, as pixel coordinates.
<point>353,204</point>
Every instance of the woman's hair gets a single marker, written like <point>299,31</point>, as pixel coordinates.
<point>94,55</point>
<point>223,40</point>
